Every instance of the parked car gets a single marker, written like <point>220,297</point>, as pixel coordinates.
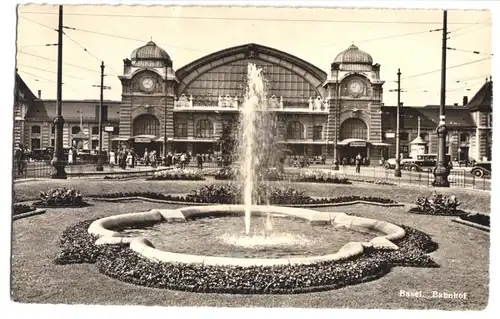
<point>481,169</point>
<point>391,162</point>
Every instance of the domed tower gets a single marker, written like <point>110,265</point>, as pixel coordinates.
<point>355,96</point>
<point>148,86</point>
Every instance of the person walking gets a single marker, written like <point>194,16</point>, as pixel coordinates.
<point>358,163</point>
<point>153,158</point>
<point>70,156</point>
<point>199,160</point>
<point>112,158</point>
<point>146,157</point>
<point>134,156</point>
<point>183,160</point>
<point>169,159</point>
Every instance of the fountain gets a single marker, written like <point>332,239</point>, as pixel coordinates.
<point>290,236</point>
<point>256,139</point>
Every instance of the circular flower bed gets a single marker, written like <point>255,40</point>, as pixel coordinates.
<point>119,262</point>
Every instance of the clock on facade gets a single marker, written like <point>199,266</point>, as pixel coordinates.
<point>355,87</point>
<point>147,83</point>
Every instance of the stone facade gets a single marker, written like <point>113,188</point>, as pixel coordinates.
<point>336,113</point>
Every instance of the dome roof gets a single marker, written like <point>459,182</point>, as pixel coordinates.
<point>353,55</point>
<point>150,51</point>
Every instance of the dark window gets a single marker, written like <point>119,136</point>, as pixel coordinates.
<point>464,137</point>
<point>353,128</point>
<point>52,142</point>
<point>53,130</point>
<point>95,144</point>
<point>181,130</point>
<point>424,136</point>
<point>404,136</point>
<point>317,132</point>
<point>35,143</point>
<point>116,131</point>
<point>95,130</point>
<point>146,124</point>
<point>204,128</point>
<point>75,130</point>
<point>295,131</point>
<point>35,129</point>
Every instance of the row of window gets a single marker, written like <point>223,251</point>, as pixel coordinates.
<point>404,136</point>
<point>36,129</point>
<point>36,143</point>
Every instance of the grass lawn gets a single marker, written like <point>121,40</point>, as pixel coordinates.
<point>463,255</point>
<point>473,200</point>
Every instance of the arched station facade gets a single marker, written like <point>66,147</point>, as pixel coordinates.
<point>317,111</point>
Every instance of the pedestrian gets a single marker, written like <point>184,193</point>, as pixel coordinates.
<point>183,160</point>
<point>169,159</point>
<point>70,156</point>
<point>153,158</point>
<point>199,160</point>
<point>358,163</point>
<point>146,157</point>
<point>112,158</point>
<point>134,156</point>
<point>129,159</point>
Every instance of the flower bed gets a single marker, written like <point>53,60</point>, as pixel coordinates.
<point>480,219</point>
<point>119,262</point>
<point>231,194</point>
<point>371,181</point>
<point>231,173</point>
<point>177,175</point>
<point>61,197</point>
<point>312,176</point>
<point>19,209</point>
<point>437,204</point>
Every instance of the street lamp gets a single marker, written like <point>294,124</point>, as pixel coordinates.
<point>397,169</point>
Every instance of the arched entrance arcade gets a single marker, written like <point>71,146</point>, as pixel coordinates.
<point>146,130</point>
<point>353,140</point>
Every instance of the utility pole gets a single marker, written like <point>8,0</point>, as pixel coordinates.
<point>165,133</point>
<point>57,161</point>
<point>442,171</point>
<point>99,166</point>
<point>337,115</point>
<point>397,170</point>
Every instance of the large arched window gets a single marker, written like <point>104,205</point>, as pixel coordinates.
<point>353,128</point>
<point>204,129</point>
<point>146,124</point>
<point>295,131</point>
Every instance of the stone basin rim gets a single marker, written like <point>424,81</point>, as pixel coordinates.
<point>102,228</point>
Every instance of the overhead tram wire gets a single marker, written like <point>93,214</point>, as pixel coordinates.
<point>470,25</point>
<point>388,37</point>
<point>54,60</point>
<point>247,19</point>
<point>136,40</point>
<point>54,72</point>
<point>40,77</point>
<point>450,67</point>
<point>468,51</point>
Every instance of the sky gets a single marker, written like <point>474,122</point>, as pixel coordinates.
<point>395,38</point>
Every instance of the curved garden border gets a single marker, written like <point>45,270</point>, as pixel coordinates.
<point>471,224</point>
<point>121,263</point>
<point>102,229</point>
<point>161,201</point>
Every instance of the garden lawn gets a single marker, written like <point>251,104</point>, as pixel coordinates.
<point>463,255</point>
<point>473,200</point>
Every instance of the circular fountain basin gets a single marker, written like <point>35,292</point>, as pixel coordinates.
<point>383,233</point>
